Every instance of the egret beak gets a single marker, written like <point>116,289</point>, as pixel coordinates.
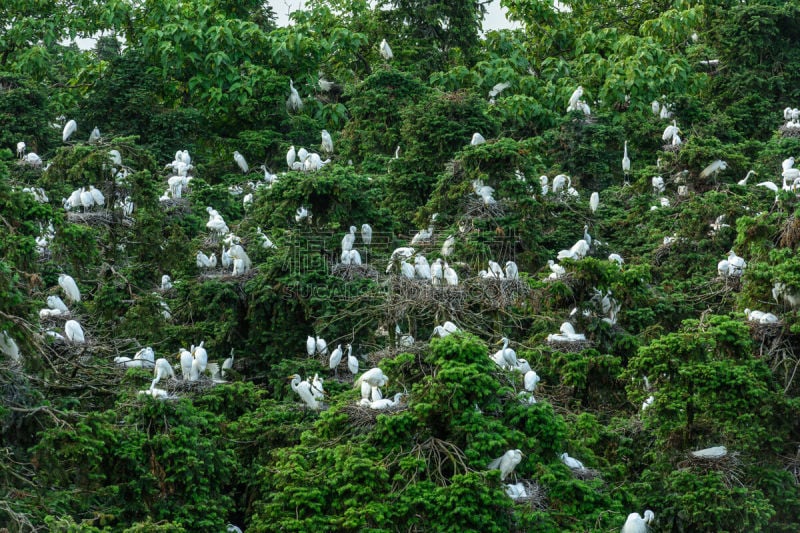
<point>499,342</point>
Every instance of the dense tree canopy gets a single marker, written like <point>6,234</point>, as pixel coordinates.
<point>666,359</point>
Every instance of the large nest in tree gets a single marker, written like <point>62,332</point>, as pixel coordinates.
<point>661,253</point>
<point>175,206</point>
<point>790,232</point>
<point>585,474</point>
<point>728,465</point>
<point>225,275</point>
<point>536,495</point>
<point>406,295</point>
<point>497,293</point>
<point>731,283</point>
<point>352,272</point>
<point>364,417</point>
<point>475,207</point>
<point>792,465</point>
<point>672,147</point>
<point>569,346</point>
<point>789,132</point>
<point>98,218</point>
<point>183,386</point>
<point>390,352</point>
<point>764,332</point>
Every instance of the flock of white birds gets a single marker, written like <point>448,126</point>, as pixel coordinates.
<point>193,363</point>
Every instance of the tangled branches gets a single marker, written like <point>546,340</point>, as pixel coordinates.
<point>353,272</point>
<point>728,466</point>
<point>443,459</point>
<point>535,495</point>
<point>98,218</point>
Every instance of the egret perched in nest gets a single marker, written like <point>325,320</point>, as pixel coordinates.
<point>327,142</point>
<point>162,370</point>
<point>571,462</point>
<point>477,139</point>
<point>74,331</point>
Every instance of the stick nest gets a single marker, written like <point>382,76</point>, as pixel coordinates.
<point>763,332</point>
<point>569,346</point>
<point>365,417</point>
<point>476,208</point>
<point>661,253</point>
<point>183,386</point>
<point>353,272</point>
<point>789,132</point>
<point>536,496</point>
<point>390,352</point>
<point>732,283</point>
<point>98,218</point>
<point>585,474</point>
<point>790,232</point>
<point>672,148</point>
<point>728,465</point>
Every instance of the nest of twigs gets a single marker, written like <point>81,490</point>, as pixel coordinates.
<point>585,474</point>
<point>98,218</point>
<point>353,272</point>
<point>732,283</point>
<point>790,231</point>
<point>499,293</point>
<point>364,417</point>
<point>70,350</point>
<point>765,332</point>
<point>225,275</point>
<point>183,386</point>
<point>672,147</point>
<point>175,204</point>
<point>569,346</point>
<point>423,292</point>
<point>536,496</point>
<point>793,466</point>
<point>390,352</point>
<point>660,254</point>
<point>789,132</point>
<point>728,465</point>
<point>476,208</point>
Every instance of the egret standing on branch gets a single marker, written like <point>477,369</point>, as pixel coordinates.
<point>327,142</point>
<point>294,102</point>
<point>626,162</point>
<point>386,51</point>
<point>69,129</point>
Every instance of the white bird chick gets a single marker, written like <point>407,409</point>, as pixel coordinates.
<point>302,214</point>
<point>658,184</point>
<point>506,463</point>
<point>56,303</point>
<point>386,403</point>
<point>9,346</point>
<point>385,50</point>
<point>530,380</point>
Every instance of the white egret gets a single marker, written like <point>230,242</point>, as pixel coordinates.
<point>349,239</point>
<point>115,157</point>
<point>530,380</point>
<point>508,354</point>
<point>302,214</point>
<point>321,345</point>
<point>511,270</point>
<point>200,357</point>
<point>366,234</point>
<point>327,142</point>
<point>294,102</point>
<point>303,389</point>
<point>445,329</point>
<point>97,196</point>
<point>616,258</point>
<point>352,361</point>
<point>594,201</point>
<point>186,361</point>
<point>714,168</point>
<point>67,283</point>
<point>658,184</point>
<point>21,149</point>
<point>227,364</point>
<point>374,376</point>
<point>386,51</point>
<point>74,331</point>
<point>423,235</point>
<point>556,270</point>
<point>736,264</point>
<point>9,346</point>
<point>437,273</point>
<point>162,370</point>
<point>670,132</point>
<point>291,155</point>
<point>69,129</point>
<point>743,181</point>
<point>450,275</point>
<point>335,358</point>
<point>787,164</point>
<point>506,463</point>
<point>626,161</point>
<point>240,160</point>
<point>94,136</point>
<point>147,356</point>
<point>448,246</point>
<point>578,251</point>
<point>561,182</point>
<point>516,491</point>
<point>716,452</point>
<point>406,270</point>
<point>55,302</point>
<point>572,105</point>
<point>422,269</point>
<point>477,139</point>
<point>495,270</point>
<point>637,524</point>
<point>571,462</point>
<point>311,345</point>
